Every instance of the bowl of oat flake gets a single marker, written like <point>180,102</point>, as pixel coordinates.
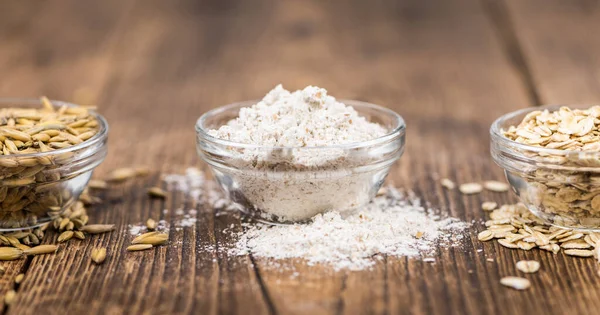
<point>293,155</point>
<point>48,150</point>
<point>551,157</point>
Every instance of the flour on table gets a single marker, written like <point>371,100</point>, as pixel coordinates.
<point>191,183</point>
<point>396,224</point>
<point>387,226</point>
<point>140,228</point>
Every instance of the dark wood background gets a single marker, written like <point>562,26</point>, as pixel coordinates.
<point>449,67</point>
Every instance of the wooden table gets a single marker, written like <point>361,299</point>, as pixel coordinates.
<point>449,67</point>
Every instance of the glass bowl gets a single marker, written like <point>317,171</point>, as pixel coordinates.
<point>37,187</point>
<point>562,187</point>
<point>293,184</point>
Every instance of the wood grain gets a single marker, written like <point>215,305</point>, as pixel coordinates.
<point>449,68</point>
<point>565,66</point>
<point>561,48</point>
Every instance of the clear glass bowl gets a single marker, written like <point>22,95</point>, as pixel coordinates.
<point>292,184</point>
<point>37,187</point>
<point>561,187</point>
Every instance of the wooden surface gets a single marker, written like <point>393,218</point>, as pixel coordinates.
<point>449,67</point>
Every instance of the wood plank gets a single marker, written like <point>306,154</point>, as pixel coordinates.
<point>182,278</point>
<point>561,45</point>
<point>11,27</point>
<point>426,61</point>
<point>394,59</point>
<point>562,51</point>
<point>23,63</point>
<point>62,51</point>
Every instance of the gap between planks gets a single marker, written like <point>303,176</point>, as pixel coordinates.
<point>26,265</point>
<point>263,287</point>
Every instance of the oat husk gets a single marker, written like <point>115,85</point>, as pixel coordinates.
<point>9,297</point>
<point>41,249</point>
<point>19,278</point>
<point>65,236</point>
<point>10,253</point>
<point>97,228</point>
<point>153,238</point>
<point>139,247</point>
<point>157,192</point>
<point>151,224</point>
<point>98,255</point>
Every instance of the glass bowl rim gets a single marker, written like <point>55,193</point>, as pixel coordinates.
<point>498,137</point>
<point>398,130</point>
<point>100,136</point>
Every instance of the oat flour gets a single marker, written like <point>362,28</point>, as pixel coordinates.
<point>395,224</point>
<point>288,178</point>
<point>392,225</point>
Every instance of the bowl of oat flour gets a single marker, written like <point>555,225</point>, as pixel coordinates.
<point>293,155</point>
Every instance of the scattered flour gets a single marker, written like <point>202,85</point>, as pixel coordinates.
<point>137,229</point>
<point>194,185</point>
<point>395,224</point>
<point>300,170</point>
<point>389,226</point>
<point>191,183</point>
<point>187,221</point>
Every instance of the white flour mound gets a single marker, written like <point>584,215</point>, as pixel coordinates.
<point>391,225</point>
<point>302,118</point>
<point>288,179</point>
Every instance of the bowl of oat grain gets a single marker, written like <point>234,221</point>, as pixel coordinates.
<point>551,157</point>
<point>48,150</point>
<point>293,155</point>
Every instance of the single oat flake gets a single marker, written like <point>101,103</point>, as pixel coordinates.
<point>485,235</point>
<point>516,283</point>
<point>9,297</point>
<point>489,206</point>
<point>579,252</point>
<point>496,186</point>
<point>528,266</point>
<point>448,184</point>
<point>470,188</point>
